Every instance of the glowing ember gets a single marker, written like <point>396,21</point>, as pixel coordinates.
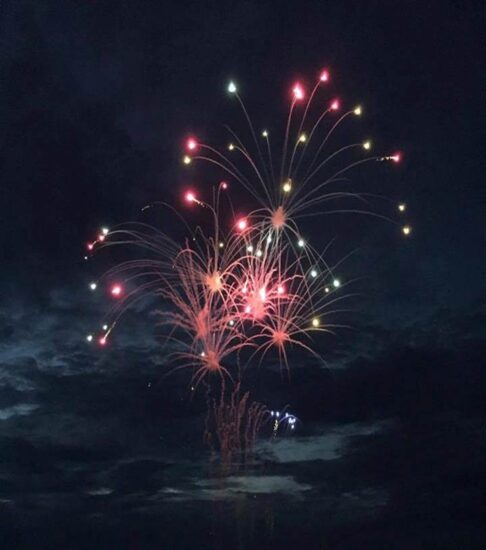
<point>116,290</point>
<point>191,144</point>
<point>298,92</point>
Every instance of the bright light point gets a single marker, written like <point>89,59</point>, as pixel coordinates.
<point>315,322</point>
<point>231,323</point>
<point>357,111</point>
<point>89,338</point>
<point>397,157</point>
<point>224,185</point>
<point>187,159</point>
<point>324,76</point>
<point>265,133</point>
<point>93,286</point>
<point>263,294</point>
<point>402,207</point>
<point>287,186</point>
<point>313,273</point>
<point>298,91</point>
<point>302,138</point>
<point>232,87</point>
<point>190,197</point>
<point>102,341</point>
<point>105,230</point>
<point>334,105</point>
<point>259,253</point>
<point>326,290</point>
<point>300,243</point>
<point>86,257</point>
<point>367,145</point>
<point>336,283</point>
<point>203,354</point>
<point>242,224</point>
<point>116,290</point>
<point>269,239</point>
<point>280,289</point>
<point>101,237</point>
<point>250,249</point>
<point>247,309</point>
<point>231,147</point>
<point>191,144</point>
<point>105,327</point>
<point>89,246</point>
<point>406,229</point>
<point>221,245</point>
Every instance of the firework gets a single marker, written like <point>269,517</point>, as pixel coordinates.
<point>249,283</point>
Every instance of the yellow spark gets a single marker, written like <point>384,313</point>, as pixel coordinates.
<point>367,145</point>
<point>231,146</point>
<point>315,322</point>
<point>406,229</point>
<point>302,138</point>
<point>221,245</point>
<point>358,110</point>
<point>287,186</point>
<point>265,133</point>
<point>402,206</point>
<point>187,159</point>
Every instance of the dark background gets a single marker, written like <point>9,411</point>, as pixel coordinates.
<point>100,450</point>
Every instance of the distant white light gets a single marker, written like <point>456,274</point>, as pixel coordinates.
<point>93,286</point>
<point>313,273</point>
<point>336,283</point>
<point>232,87</point>
<point>89,338</point>
<point>300,243</point>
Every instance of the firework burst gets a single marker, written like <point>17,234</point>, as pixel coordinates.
<point>248,284</point>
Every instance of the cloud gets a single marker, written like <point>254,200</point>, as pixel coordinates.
<point>18,410</point>
<point>330,445</point>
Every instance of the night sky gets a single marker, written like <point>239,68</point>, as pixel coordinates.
<point>99,449</point>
